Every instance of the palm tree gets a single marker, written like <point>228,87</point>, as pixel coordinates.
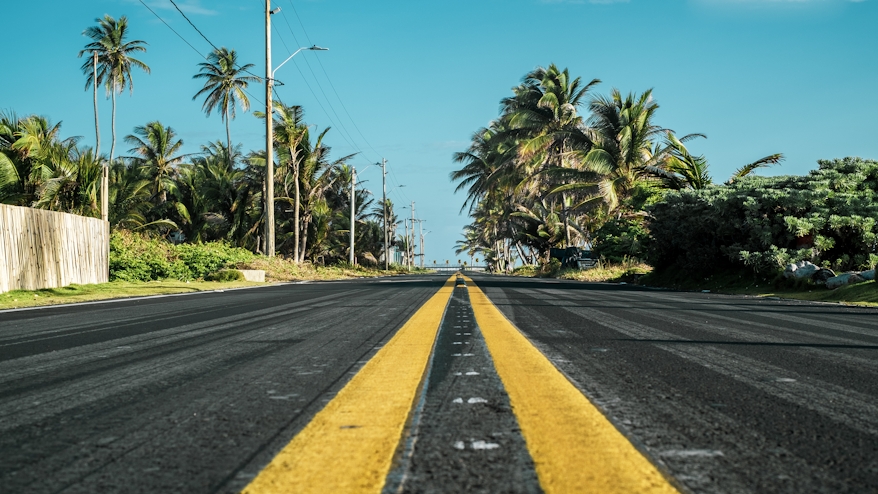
<point>682,170</point>
<point>27,147</point>
<point>114,60</point>
<point>316,175</point>
<point>543,115</point>
<point>156,147</point>
<point>290,131</point>
<point>224,85</point>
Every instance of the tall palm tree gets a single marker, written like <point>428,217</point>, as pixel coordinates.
<point>543,115</point>
<point>316,175</point>
<point>156,147</point>
<point>224,85</point>
<point>290,131</point>
<point>115,60</point>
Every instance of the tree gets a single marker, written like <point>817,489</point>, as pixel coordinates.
<point>683,170</point>
<point>289,132</point>
<point>156,147</point>
<point>224,85</point>
<point>114,60</point>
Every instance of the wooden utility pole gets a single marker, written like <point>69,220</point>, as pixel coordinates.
<point>353,211</point>
<point>411,245</point>
<point>269,140</point>
<point>421,232</point>
<point>384,187</point>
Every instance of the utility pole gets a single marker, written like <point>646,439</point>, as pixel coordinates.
<point>421,232</point>
<point>353,211</point>
<point>405,235</point>
<point>384,195</point>
<point>269,139</point>
<point>412,243</point>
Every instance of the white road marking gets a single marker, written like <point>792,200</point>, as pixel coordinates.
<point>475,400</point>
<point>472,373</point>
<point>457,400</point>
<point>689,453</point>
<point>459,445</point>
<point>484,445</point>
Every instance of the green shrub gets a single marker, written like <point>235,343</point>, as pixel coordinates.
<point>526,270</point>
<point>761,223</point>
<point>225,275</point>
<point>621,239</point>
<point>137,257</point>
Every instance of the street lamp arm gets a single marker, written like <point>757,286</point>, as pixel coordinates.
<point>314,48</point>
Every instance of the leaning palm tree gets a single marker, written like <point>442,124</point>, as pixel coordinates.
<point>224,85</point>
<point>683,170</point>
<point>114,60</point>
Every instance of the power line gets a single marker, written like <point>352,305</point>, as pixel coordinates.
<point>308,38</point>
<point>172,29</point>
<point>203,36</point>
<point>342,129</point>
<point>305,80</point>
<point>190,44</point>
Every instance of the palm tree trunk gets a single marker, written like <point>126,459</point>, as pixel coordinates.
<point>94,81</point>
<point>228,139</point>
<point>305,223</point>
<point>296,225</point>
<point>113,127</point>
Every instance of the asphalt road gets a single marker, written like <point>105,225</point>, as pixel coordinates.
<point>185,394</point>
<point>729,394</point>
<point>197,393</point>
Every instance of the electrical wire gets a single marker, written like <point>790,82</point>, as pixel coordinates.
<point>308,38</point>
<point>310,89</point>
<point>342,129</point>
<point>193,47</point>
<point>203,36</point>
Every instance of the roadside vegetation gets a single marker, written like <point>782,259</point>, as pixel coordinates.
<point>141,265</point>
<point>563,166</point>
<point>186,217</point>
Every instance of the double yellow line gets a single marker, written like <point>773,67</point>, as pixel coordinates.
<point>349,445</point>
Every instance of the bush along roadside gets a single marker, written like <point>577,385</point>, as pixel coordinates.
<point>136,257</point>
<point>764,224</point>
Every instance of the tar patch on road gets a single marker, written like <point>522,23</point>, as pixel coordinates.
<point>463,436</point>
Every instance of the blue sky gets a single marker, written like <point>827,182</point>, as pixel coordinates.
<point>411,81</point>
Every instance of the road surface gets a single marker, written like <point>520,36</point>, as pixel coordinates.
<point>420,384</point>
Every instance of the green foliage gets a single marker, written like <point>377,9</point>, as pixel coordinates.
<point>619,239</point>
<point>763,223</point>
<point>550,269</point>
<point>225,275</point>
<point>135,257</point>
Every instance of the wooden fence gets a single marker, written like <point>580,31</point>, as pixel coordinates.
<point>46,249</point>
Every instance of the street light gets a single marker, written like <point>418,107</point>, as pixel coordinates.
<point>269,121</point>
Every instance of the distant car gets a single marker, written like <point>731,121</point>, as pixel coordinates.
<point>574,257</point>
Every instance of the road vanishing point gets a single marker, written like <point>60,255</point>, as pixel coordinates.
<point>440,384</point>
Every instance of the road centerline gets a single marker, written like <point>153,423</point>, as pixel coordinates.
<point>575,448</point>
<point>349,445</point>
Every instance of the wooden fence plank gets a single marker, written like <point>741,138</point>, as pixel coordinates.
<point>48,249</point>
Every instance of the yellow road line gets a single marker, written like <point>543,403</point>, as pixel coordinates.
<point>349,445</point>
<point>574,447</point>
